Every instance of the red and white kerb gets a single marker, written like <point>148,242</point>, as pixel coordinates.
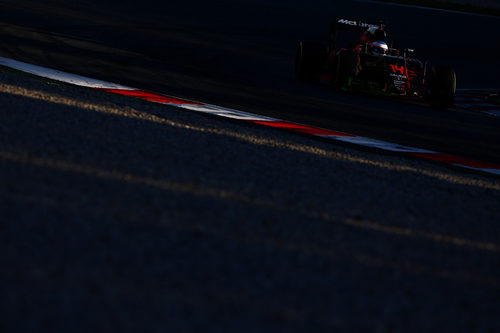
<point>250,117</point>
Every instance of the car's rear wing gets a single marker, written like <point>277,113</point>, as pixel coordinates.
<point>355,25</point>
<point>343,24</point>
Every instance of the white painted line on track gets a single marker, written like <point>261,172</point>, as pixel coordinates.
<point>493,113</point>
<point>478,105</point>
<point>464,99</point>
<point>224,112</point>
<point>251,118</point>
<point>477,100</point>
<point>450,11</point>
<point>372,143</point>
<point>58,75</point>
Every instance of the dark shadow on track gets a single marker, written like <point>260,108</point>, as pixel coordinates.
<point>241,56</point>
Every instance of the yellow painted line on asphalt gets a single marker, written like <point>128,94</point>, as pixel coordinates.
<point>439,238</point>
<point>133,113</point>
<point>369,260</point>
<point>193,189</point>
<point>365,259</point>
<point>122,176</point>
<point>129,112</point>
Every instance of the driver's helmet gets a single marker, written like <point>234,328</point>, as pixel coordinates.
<point>378,48</point>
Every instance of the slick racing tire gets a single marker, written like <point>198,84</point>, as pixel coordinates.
<point>442,83</point>
<point>346,65</point>
<point>310,60</point>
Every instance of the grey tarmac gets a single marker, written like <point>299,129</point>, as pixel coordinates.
<point>123,215</point>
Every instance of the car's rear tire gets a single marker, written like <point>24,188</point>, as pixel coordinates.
<point>442,83</point>
<point>310,60</point>
<point>345,68</point>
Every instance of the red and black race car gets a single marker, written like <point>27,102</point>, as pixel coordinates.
<point>370,64</point>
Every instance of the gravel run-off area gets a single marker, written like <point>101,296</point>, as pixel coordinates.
<point>118,214</point>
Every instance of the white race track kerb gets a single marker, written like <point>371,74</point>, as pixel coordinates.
<point>249,117</point>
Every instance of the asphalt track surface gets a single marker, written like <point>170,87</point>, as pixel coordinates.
<point>122,215</point>
<point>125,215</point>
<point>241,55</point>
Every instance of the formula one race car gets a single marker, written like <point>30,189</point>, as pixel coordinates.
<point>370,65</point>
